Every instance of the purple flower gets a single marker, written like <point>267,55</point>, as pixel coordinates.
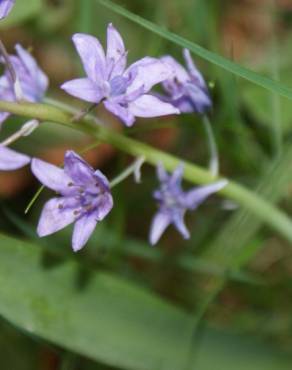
<point>124,91</point>
<point>5,7</point>
<point>187,89</point>
<point>30,79</point>
<point>12,160</point>
<point>174,202</point>
<point>85,198</point>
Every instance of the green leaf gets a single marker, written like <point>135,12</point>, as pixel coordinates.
<point>214,58</point>
<point>111,320</point>
<point>21,12</point>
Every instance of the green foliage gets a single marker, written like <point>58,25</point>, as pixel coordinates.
<point>111,320</point>
<point>22,11</point>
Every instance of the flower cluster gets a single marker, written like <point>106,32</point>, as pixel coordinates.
<point>23,79</point>
<point>84,194</point>
<point>123,91</point>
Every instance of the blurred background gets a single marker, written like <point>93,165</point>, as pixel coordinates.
<point>221,300</point>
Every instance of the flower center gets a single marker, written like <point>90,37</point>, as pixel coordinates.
<point>118,85</point>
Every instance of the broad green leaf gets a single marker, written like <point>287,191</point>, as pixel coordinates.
<point>22,10</point>
<point>214,58</point>
<point>111,320</point>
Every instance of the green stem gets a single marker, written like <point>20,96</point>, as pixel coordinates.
<point>127,172</point>
<point>214,158</point>
<point>265,211</point>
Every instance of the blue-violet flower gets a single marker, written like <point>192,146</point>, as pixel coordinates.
<point>5,7</point>
<point>174,202</point>
<point>32,81</point>
<point>12,160</point>
<point>124,91</point>
<point>186,89</point>
<point>85,198</point>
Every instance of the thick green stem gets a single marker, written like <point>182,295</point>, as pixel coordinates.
<point>265,211</point>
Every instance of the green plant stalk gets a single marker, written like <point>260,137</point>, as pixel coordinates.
<point>261,208</point>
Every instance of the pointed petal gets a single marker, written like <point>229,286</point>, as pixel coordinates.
<point>116,54</point>
<point>56,214</point>
<point>161,173</point>
<point>178,220</point>
<point>193,69</point>
<point>11,160</point>
<point>83,229</point>
<point>151,106</point>
<point>123,113</point>
<point>84,89</point>
<point>77,169</point>
<point>51,176</point>
<point>195,197</point>
<point>177,174</point>
<point>159,223</point>
<point>92,55</point>
<point>5,7</point>
<point>148,72</point>
<point>102,180</point>
<point>105,205</point>
<point>40,79</point>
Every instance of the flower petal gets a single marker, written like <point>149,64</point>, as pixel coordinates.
<point>193,69</point>
<point>123,113</point>
<point>105,204</point>
<point>40,79</point>
<point>83,88</point>
<point>56,214</point>
<point>148,72</point>
<point>11,160</point>
<point>176,176</point>
<point>83,229</point>
<point>5,7</point>
<point>161,173</point>
<point>178,220</point>
<point>151,106</point>
<point>102,180</point>
<point>198,97</point>
<point>195,197</point>
<point>51,176</point>
<point>116,54</point>
<point>180,73</point>
<point>77,169</point>
<point>159,223</point>
<point>92,55</point>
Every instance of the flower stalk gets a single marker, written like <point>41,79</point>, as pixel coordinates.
<point>248,199</point>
